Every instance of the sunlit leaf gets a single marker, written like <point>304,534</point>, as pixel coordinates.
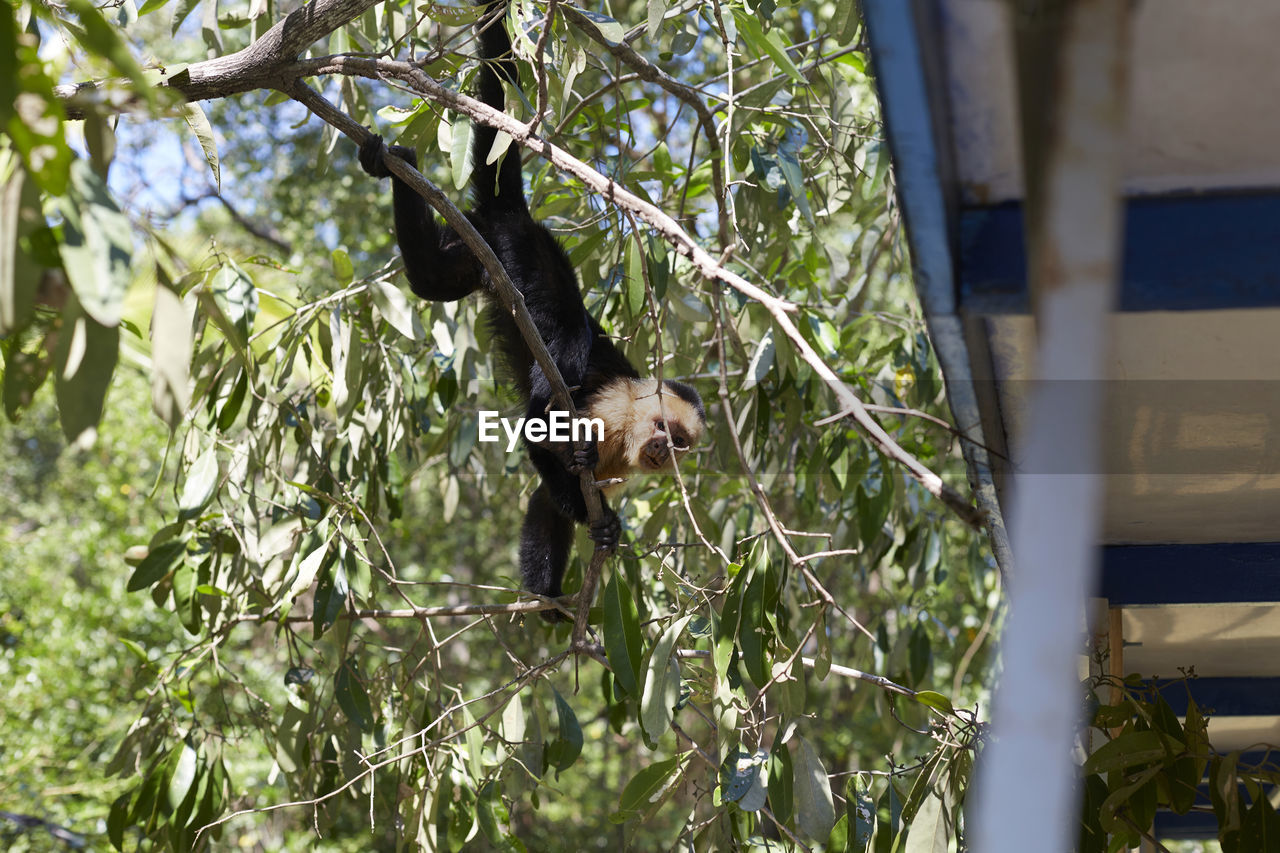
<point>97,247</point>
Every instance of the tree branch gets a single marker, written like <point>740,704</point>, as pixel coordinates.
<point>261,65</point>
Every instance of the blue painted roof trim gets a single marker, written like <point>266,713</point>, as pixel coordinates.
<point>1182,253</point>
<point>1224,573</point>
<point>1223,697</point>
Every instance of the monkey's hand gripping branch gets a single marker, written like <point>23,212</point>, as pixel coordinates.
<point>512,301</point>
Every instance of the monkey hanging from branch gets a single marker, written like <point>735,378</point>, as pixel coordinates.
<point>648,425</point>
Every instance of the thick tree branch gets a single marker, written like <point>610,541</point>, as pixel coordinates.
<point>261,65</point>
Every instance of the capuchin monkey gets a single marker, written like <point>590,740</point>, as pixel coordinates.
<point>648,426</point>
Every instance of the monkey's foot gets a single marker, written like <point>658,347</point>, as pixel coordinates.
<point>373,152</point>
<point>607,532</point>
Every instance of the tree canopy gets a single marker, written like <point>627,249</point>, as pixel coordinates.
<point>321,640</point>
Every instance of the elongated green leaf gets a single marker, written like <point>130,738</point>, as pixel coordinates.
<point>565,749</point>
<point>85,362</point>
<point>97,245</point>
<point>646,787</point>
<point>661,682</point>
<point>460,151</point>
<point>171,344</point>
<point>861,812</point>
<point>156,565</point>
<point>751,635</point>
<point>19,216</point>
<point>815,809</point>
<point>929,832</point>
<point>308,568</point>
<point>934,700</point>
<point>202,478</point>
<point>767,43</point>
<point>396,310</point>
<point>610,29</point>
<point>622,640</point>
<point>193,115</point>
<point>1128,749</point>
<point>184,773</point>
<point>351,695</point>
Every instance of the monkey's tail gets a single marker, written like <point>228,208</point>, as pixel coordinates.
<point>498,186</point>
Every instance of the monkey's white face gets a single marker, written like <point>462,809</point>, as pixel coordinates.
<point>668,442</point>
<point>644,431</point>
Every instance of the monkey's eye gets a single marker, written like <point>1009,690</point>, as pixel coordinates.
<point>662,425</point>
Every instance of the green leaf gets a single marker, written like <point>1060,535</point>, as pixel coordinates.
<point>184,773</point>
<point>1129,749</point>
<point>761,361</point>
<point>781,777</point>
<point>661,682</point>
<point>919,653</point>
<point>118,820</point>
<point>751,635</point>
<point>308,568</point>
<point>646,787</point>
<point>97,247</point>
<point>331,597</point>
<point>815,810</point>
<point>8,63</point>
<point>235,295</point>
<point>85,361</point>
<point>635,279</point>
<point>657,9</point>
<point>622,640</point>
<point>343,270</point>
<point>351,695</point>
<point>609,29</point>
<point>396,310</point>
<point>202,478</point>
<point>460,151</point>
<point>20,215</point>
<point>1093,838</point>
<point>156,565</point>
<point>565,749</point>
<point>193,115</point>
<point>770,44</point>
<point>936,701</point>
<point>928,832</point>
<point>171,344</point>
<point>861,812</point>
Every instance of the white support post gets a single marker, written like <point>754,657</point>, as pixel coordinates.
<point>1026,795</point>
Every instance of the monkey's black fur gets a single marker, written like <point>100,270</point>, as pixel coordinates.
<point>440,267</point>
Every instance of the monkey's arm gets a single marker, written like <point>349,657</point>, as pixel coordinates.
<point>438,265</point>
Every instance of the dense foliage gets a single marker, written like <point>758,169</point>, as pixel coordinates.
<point>791,634</point>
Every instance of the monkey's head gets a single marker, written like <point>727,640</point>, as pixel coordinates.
<point>648,427</point>
<point>666,426</point>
